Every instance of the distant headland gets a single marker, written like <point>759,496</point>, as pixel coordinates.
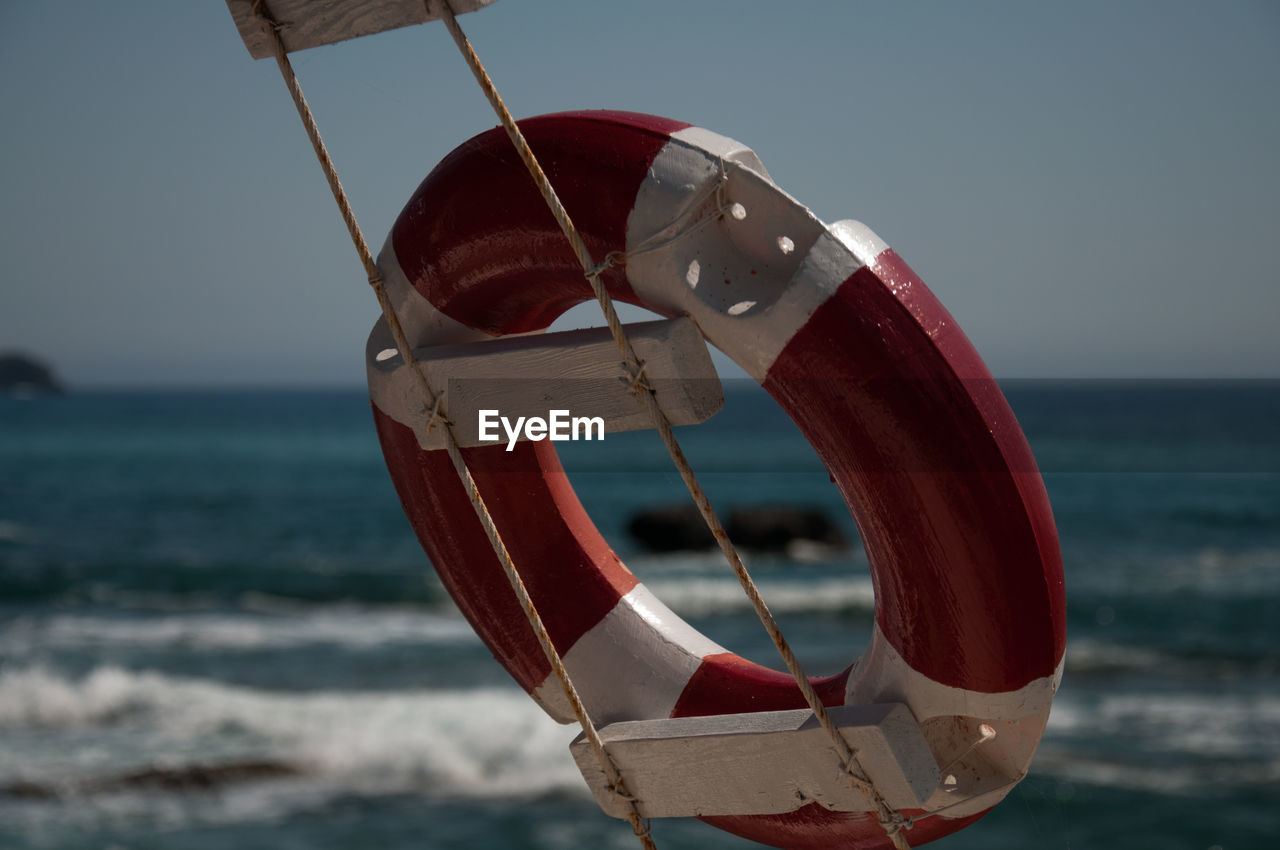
<point>22,375</point>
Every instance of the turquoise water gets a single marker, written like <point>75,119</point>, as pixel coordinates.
<point>216,628</point>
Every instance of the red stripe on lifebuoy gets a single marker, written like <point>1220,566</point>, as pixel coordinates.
<point>813,827</point>
<point>939,477</point>
<point>730,684</point>
<point>541,521</point>
<point>512,270</point>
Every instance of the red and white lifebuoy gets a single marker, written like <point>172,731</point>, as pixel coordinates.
<point>964,555</point>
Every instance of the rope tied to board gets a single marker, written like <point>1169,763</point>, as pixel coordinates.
<point>891,821</point>
<point>436,416</point>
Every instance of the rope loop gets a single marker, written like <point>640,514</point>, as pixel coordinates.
<point>620,792</point>
<point>896,823</point>
<point>721,205</point>
<point>611,259</point>
<point>640,826</point>
<point>638,379</point>
<point>656,241</point>
<point>852,766</point>
<point>437,416</point>
<point>259,10</point>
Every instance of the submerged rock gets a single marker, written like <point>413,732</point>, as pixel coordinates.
<point>778,528</point>
<point>671,528</point>
<point>770,528</point>
<point>181,779</point>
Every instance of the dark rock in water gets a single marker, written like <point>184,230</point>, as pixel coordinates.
<point>774,528</point>
<point>28,791</point>
<point>185,778</point>
<point>22,375</point>
<point>196,777</point>
<point>672,528</point>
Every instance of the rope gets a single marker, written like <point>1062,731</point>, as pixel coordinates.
<point>639,825</point>
<point>891,821</point>
<point>272,29</point>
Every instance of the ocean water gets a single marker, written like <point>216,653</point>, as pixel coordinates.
<point>217,630</point>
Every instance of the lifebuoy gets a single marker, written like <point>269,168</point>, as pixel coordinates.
<point>833,324</point>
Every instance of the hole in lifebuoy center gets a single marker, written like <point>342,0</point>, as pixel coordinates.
<point>774,496</point>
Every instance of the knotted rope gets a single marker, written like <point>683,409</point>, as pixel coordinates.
<point>639,825</point>
<point>891,821</point>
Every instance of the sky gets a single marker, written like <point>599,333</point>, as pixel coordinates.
<point>1091,188</point>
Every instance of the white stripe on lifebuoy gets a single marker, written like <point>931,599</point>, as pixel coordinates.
<point>969,620</point>
<point>662,652</point>
<point>782,287</point>
<point>1017,717</point>
<point>390,390</point>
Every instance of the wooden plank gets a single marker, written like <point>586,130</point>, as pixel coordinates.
<point>765,763</point>
<point>578,372</point>
<point>311,23</point>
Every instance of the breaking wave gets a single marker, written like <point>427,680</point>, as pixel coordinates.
<point>349,627</point>
<point>483,742</point>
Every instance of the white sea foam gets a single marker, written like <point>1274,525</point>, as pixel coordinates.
<point>481,742</point>
<point>701,597</point>
<point>1172,742</point>
<point>268,625</point>
<point>1211,724</point>
<point>349,627</point>
<point>493,742</point>
<point>1193,780</point>
<point>1207,571</point>
<point>1086,654</point>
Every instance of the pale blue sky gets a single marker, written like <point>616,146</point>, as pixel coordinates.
<point>1092,188</point>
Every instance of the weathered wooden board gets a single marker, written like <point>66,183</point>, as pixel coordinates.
<point>765,763</point>
<point>579,372</point>
<point>311,23</point>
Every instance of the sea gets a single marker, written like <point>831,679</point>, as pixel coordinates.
<point>217,629</point>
